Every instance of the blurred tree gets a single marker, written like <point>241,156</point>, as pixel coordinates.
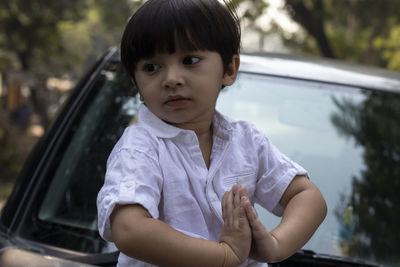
<point>58,38</point>
<point>14,147</point>
<point>311,15</point>
<point>29,39</point>
<point>390,47</point>
<point>249,12</point>
<point>362,31</point>
<point>29,28</point>
<point>43,36</point>
<point>39,39</point>
<point>105,27</point>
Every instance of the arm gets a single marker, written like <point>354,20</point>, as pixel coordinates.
<point>305,209</point>
<point>140,236</point>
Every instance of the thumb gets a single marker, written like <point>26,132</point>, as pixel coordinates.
<point>245,205</point>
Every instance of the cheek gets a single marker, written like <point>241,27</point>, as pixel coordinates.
<point>145,96</point>
<point>146,86</point>
<point>143,80</point>
<point>139,80</point>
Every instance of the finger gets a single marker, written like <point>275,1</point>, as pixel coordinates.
<point>251,215</point>
<point>244,199</point>
<point>229,208</point>
<point>236,200</point>
<point>236,207</point>
<point>223,205</point>
<point>243,192</point>
<point>235,188</point>
<point>243,220</point>
<point>255,223</point>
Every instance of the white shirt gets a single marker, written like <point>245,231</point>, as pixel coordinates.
<point>161,167</point>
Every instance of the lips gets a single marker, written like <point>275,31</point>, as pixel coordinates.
<point>176,101</point>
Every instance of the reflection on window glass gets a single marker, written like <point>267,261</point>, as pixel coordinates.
<point>71,198</point>
<point>348,140</point>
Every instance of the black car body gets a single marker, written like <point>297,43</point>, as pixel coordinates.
<point>338,120</point>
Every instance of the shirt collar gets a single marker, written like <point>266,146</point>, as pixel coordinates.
<point>155,125</point>
<point>221,125</point>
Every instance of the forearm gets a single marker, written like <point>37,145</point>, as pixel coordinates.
<point>304,210</point>
<point>301,218</point>
<point>153,241</point>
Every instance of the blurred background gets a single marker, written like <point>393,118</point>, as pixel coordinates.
<point>47,45</point>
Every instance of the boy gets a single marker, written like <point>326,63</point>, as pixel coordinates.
<point>170,195</point>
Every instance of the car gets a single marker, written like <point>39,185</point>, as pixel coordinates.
<point>338,120</point>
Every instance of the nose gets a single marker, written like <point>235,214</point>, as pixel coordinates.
<point>173,77</point>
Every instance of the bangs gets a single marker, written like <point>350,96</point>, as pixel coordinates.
<point>171,24</point>
<point>168,33</point>
<point>161,26</point>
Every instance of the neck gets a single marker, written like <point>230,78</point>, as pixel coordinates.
<point>202,126</point>
<point>206,142</point>
<point>204,132</point>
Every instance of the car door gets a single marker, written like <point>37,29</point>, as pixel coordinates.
<point>52,210</point>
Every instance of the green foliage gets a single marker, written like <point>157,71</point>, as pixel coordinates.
<point>59,37</point>
<point>250,11</point>
<point>29,28</point>
<point>363,31</point>
<point>51,38</point>
<point>390,48</point>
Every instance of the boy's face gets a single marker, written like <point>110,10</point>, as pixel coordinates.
<point>182,88</point>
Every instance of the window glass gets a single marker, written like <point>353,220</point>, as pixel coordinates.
<point>348,139</point>
<point>67,216</point>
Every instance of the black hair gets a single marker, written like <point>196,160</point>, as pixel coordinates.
<point>194,24</point>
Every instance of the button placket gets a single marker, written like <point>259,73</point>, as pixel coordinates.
<point>211,194</point>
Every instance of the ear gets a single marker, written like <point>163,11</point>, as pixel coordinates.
<point>140,96</point>
<point>231,71</point>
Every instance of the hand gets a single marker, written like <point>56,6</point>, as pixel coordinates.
<point>236,232</point>
<point>264,244</point>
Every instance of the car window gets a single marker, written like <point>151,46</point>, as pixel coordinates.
<point>67,214</point>
<point>69,200</point>
<point>348,139</point>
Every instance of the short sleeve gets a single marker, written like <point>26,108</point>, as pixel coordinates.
<point>133,177</point>
<point>276,171</point>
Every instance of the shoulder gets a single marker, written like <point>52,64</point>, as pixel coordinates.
<point>137,139</point>
<point>245,130</point>
<point>137,136</point>
<point>243,134</point>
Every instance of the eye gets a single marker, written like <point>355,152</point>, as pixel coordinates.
<point>150,67</point>
<point>190,60</point>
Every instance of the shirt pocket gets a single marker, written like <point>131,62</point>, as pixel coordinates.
<point>246,178</point>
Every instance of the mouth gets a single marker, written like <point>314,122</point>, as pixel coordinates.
<point>176,101</point>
